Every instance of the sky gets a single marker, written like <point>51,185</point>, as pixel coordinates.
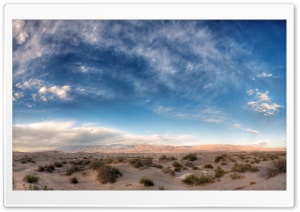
<point>101,82</point>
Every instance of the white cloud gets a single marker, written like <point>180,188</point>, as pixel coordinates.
<point>251,131</point>
<point>22,38</point>
<point>263,104</point>
<point>30,84</point>
<point>83,69</point>
<point>264,75</point>
<point>18,95</point>
<point>61,92</point>
<point>238,126</point>
<point>53,134</point>
<point>264,97</point>
<point>54,91</point>
<point>262,143</point>
<point>161,110</point>
<point>209,85</point>
<point>250,92</point>
<point>208,115</point>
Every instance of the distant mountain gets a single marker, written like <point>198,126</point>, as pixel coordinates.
<point>150,148</point>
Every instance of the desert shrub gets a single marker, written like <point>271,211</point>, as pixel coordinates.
<point>46,188</point>
<point>219,172</point>
<point>190,157</point>
<point>95,164</point>
<point>196,168</point>
<point>31,178</point>
<point>177,166</point>
<point>224,163</point>
<point>168,171</point>
<point>252,183</point>
<point>26,159</point>
<point>274,156</point>
<point>220,157</point>
<point>49,168</point>
<point>278,166</point>
<point>41,169</point>
<point>199,179</point>
<point>108,174</point>
<point>208,166</point>
<point>34,187</point>
<point>58,164</point>
<point>72,169</point>
<point>156,166</point>
<point>244,168</point>
<point>165,158</point>
<point>184,168</point>
<point>146,182</point>
<point>161,188</point>
<point>108,160</point>
<point>119,159</point>
<point>236,175</point>
<point>143,161</point>
<point>64,162</point>
<point>73,180</point>
<point>189,164</point>
<point>242,157</point>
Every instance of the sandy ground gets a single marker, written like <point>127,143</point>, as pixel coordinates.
<point>58,180</point>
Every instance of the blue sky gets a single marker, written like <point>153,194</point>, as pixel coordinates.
<point>158,82</point>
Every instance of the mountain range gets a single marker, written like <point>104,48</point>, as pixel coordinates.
<point>151,148</point>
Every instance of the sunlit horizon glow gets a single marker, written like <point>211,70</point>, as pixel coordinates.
<point>148,82</point>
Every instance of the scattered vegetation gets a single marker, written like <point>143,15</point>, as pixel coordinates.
<point>34,187</point>
<point>252,183</point>
<point>161,188</point>
<point>168,171</point>
<point>239,188</point>
<point>189,164</point>
<point>196,168</point>
<point>219,172</point>
<point>224,163</point>
<point>73,180</point>
<point>26,159</point>
<point>95,164</point>
<point>58,164</point>
<point>190,157</point>
<point>278,166</point>
<point>119,160</point>
<point>31,178</point>
<point>108,160</point>
<point>41,169</point>
<point>236,175</point>
<point>139,162</point>
<point>108,174</point>
<point>165,158</point>
<point>199,179</point>
<point>244,168</point>
<point>72,169</point>
<point>177,166</point>
<point>46,188</point>
<point>146,182</point>
<point>49,168</point>
<point>208,166</point>
<point>220,157</point>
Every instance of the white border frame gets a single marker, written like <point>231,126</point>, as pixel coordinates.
<point>147,198</point>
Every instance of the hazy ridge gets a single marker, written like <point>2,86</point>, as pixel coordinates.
<point>146,148</point>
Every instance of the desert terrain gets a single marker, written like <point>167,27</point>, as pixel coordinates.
<point>206,170</point>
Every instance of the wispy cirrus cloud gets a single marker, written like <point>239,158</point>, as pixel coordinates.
<point>251,131</point>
